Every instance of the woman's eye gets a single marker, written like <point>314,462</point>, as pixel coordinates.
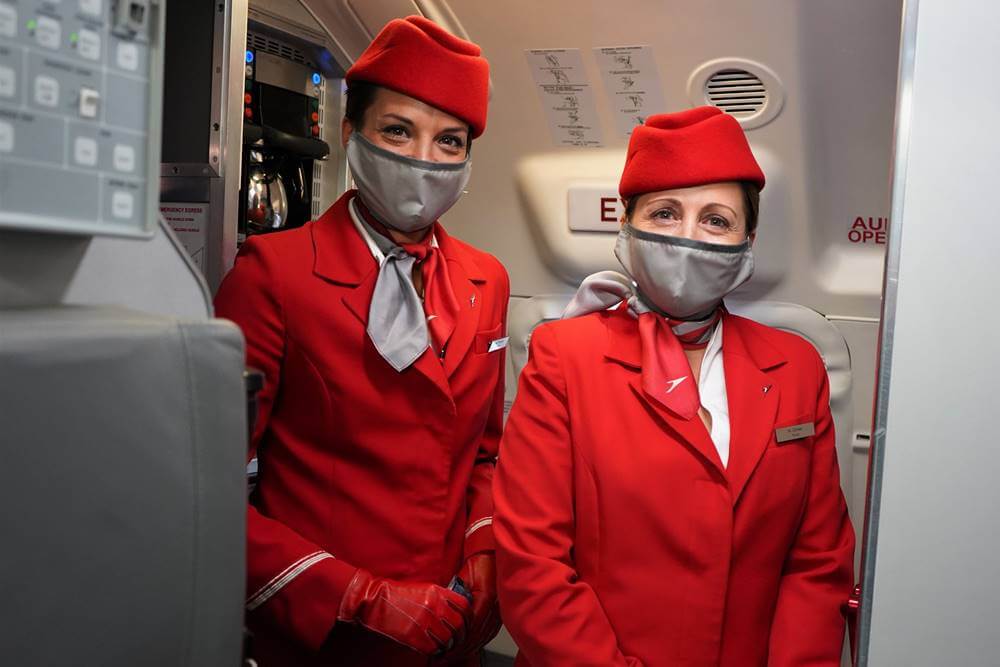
<point>452,141</point>
<point>718,221</point>
<point>664,214</point>
<point>395,131</point>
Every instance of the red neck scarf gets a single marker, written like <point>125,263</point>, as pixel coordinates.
<point>440,305</point>
<point>666,373</point>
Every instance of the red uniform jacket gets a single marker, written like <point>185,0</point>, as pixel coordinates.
<point>621,540</point>
<point>361,466</point>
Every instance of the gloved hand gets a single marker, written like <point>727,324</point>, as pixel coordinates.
<point>479,574</point>
<point>425,617</point>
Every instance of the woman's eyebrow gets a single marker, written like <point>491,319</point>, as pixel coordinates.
<point>720,205</point>
<point>662,200</point>
<point>456,129</point>
<point>401,119</point>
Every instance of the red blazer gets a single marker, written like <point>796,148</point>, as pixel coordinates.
<point>621,540</point>
<point>361,466</point>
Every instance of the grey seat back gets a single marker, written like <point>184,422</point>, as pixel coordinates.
<point>123,490</point>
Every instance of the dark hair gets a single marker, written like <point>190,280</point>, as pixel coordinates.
<point>751,201</point>
<point>360,98</point>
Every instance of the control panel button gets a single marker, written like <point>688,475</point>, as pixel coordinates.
<point>90,102</point>
<point>129,17</point>
<point>249,70</point>
<point>89,44</point>
<point>46,91</point>
<point>85,151</point>
<point>248,112</point>
<point>8,20</point>
<point>122,204</point>
<point>8,81</point>
<point>6,137</point>
<point>127,56</point>
<point>48,32</point>
<point>92,7</point>
<point>124,158</point>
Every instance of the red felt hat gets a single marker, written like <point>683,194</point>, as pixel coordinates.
<point>688,148</point>
<point>419,58</point>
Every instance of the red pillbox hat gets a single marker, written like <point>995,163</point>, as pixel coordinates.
<point>419,58</point>
<point>688,148</point>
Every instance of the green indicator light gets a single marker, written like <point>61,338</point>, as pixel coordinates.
<point>32,24</point>
<point>74,38</point>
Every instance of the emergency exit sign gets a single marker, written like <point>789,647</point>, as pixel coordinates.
<point>594,207</point>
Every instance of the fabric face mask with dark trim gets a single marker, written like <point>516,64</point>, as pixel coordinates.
<point>678,277</point>
<point>404,193</point>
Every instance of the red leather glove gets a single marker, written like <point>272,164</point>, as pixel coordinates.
<point>479,574</point>
<point>424,617</point>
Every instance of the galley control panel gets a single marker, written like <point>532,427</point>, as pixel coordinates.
<point>74,115</point>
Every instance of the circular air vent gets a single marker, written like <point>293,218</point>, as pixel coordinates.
<point>737,92</point>
<point>746,90</point>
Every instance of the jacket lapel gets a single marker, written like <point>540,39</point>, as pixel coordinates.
<point>343,257</point>
<point>625,348</point>
<point>753,398</point>
<point>466,279</point>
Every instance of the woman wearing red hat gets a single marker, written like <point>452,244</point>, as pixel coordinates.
<point>668,492</point>
<point>381,338</point>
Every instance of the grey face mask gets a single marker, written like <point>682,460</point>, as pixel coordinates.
<point>403,193</point>
<point>678,277</point>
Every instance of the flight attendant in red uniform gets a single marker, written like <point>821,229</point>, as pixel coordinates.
<point>382,341</point>
<point>668,492</point>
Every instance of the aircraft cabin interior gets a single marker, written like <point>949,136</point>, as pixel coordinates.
<point>145,145</point>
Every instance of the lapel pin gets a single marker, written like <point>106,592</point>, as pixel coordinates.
<point>472,301</point>
<point>767,388</point>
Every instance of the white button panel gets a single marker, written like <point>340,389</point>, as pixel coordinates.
<point>85,151</point>
<point>128,56</point>
<point>8,20</point>
<point>124,158</point>
<point>6,137</point>
<point>122,204</point>
<point>8,81</point>
<point>48,32</point>
<point>89,44</point>
<point>90,102</point>
<point>74,114</point>
<point>92,7</point>
<point>47,91</point>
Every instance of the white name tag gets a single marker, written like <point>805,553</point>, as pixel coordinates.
<point>498,344</point>
<point>796,432</point>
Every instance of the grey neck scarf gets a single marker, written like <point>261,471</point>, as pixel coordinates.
<point>396,322</point>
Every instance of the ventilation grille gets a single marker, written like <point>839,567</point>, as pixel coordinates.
<point>737,92</point>
<point>276,47</point>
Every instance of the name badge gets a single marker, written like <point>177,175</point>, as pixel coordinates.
<point>498,344</point>
<point>796,432</point>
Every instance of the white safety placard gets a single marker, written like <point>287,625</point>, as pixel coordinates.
<point>190,223</point>
<point>631,83</point>
<point>567,96</point>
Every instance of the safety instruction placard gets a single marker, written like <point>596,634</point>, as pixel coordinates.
<point>189,220</point>
<point>567,96</point>
<point>631,83</point>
